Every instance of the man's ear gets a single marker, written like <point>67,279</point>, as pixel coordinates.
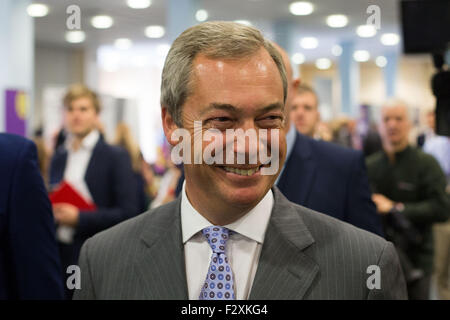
<point>296,82</point>
<point>169,125</point>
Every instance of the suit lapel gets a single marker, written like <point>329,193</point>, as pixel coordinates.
<point>59,165</point>
<point>160,263</point>
<point>298,175</point>
<point>284,270</point>
<point>94,162</point>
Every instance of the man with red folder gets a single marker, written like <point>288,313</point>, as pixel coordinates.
<point>93,183</point>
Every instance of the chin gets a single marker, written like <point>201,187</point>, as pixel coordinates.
<point>244,197</point>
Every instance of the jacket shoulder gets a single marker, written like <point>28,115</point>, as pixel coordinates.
<point>16,148</point>
<point>14,143</point>
<point>333,232</point>
<point>128,232</point>
<point>339,154</point>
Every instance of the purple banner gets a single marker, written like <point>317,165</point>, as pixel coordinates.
<point>16,110</point>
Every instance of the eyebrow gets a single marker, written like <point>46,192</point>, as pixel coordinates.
<point>230,108</point>
<point>219,106</point>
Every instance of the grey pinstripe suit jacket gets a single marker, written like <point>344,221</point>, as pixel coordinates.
<point>305,255</point>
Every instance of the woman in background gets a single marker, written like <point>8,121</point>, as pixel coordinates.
<point>124,139</point>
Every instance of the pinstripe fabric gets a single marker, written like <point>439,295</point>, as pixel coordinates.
<point>305,255</point>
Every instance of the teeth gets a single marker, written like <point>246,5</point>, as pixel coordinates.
<point>241,172</point>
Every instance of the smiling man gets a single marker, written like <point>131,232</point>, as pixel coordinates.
<point>231,234</point>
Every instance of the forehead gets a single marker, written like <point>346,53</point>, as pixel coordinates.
<point>305,96</point>
<point>82,100</point>
<point>396,111</point>
<point>253,79</point>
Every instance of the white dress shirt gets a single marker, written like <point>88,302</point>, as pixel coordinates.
<point>78,161</point>
<point>74,174</point>
<point>243,247</point>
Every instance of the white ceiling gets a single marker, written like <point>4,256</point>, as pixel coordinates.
<point>131,23</point>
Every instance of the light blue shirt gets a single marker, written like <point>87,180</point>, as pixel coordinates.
<point>439,147</point>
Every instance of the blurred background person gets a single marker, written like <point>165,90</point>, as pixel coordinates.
<point>323,132</point>
<point>371,142</point>
<point>30,266</point>
<point>304,112</point>
<point>100,173</point>
<point>168,183</point>
<point>430,128</point>
<point>321,175</point>
<point>409,192</point>
<point>439,148</point>
<point>342,131</point>
<point>43,155</point>
<point>124,139</point>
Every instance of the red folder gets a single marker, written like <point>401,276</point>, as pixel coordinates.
<point>65,193</point>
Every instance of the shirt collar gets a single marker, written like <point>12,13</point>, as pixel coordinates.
<point>88,142</point>
<point>252,225</point>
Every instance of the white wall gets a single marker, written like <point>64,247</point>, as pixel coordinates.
<point>16,52</point>
<point>55,67</point>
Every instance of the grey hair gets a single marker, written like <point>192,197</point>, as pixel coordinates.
<point>395,102</point>
<point>215,39</point>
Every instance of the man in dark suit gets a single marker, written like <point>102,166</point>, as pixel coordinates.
<point>320,175</point>
<point>330,179</point>
<point>100,173</point>
<point>231,234</point>
<point>29,260</point>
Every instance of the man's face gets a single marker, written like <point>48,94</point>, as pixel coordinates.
<point>304,113</point>
<point>234,94</point>
<point>394,127</point>
<point>81,117</point>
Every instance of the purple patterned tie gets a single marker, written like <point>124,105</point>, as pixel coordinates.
<point>219,281</point>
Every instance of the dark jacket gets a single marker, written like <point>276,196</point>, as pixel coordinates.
<point>29,261</point>
<point>330,179</point>
<point>416,180</point>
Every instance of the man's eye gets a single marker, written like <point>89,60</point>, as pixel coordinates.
<point>272,118</point>
<point>221,119</point>
<point>270,121</point>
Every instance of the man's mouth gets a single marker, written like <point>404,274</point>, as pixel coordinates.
<point>243,171</point>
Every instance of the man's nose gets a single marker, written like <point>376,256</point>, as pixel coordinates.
<point>247,143</point>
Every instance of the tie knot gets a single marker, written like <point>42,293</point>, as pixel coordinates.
<point>217,237</point>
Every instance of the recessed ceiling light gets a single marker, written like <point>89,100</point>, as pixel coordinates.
<point>361,55</point>
<point>76,36</point>
<point>244,22</point>
<point>390,39</point>
<point>155,31</point>
<point>123,43</point>
<point>323,63</point>
<point>102,22</point>
<point>337,21</point>
<point>336,50</point>
<point>298,58</point>
<point>37,10</point>
<point>309,43</point>
<point>301,8</point>
<point>381,61</point>
<point>139,4</point>
<point>201,15</point>
<point>366,31</point>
